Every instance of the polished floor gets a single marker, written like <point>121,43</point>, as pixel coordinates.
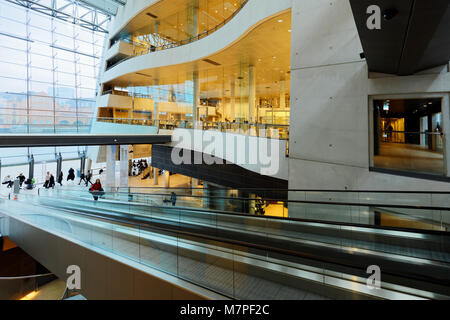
<point>51,291</point>
<point>407,157</point>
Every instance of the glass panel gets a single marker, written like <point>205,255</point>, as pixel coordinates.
<point>40,73</point>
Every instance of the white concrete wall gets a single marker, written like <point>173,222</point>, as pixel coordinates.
<point>126,13</point>
<point>330,93</point>
<point>4,225</point>
<point>104,275</point>
<point>111,128</point>
<point>120,47</point>
<point>114,101</point>
<point>240,150</point>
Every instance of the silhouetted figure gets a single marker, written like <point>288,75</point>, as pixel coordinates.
<point>21,178</point>
<point>71,175</point>
<point>88,177</point>
<point>173,198</point>
<point>82,179</point>
<point>52,181</point>
<point>60,178</point>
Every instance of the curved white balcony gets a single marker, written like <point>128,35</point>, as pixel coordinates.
<point>252,15</point>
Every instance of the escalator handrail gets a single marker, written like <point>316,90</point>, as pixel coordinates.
<point>143,222</point>
<point>337,203</point>
<point>231,213</point>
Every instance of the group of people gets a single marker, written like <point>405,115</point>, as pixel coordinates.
<point>22,180</point>
<point>96,189</point>
<point>137,167</point>
<point>86,178</point>
<point>49,181</point>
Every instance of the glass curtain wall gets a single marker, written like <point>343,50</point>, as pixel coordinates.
<point>48,79</point>
<point>175,22</point>
<point>223,97</point>
<point>48,73</point>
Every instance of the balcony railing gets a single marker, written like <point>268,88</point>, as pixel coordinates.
<point>267,130</point>
<point>174,44</point>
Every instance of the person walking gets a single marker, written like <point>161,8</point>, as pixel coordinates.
<point>82,178</point>
<point>60,178</point>
<point>88,177</point>
<point>21,178</point>
<point>71,175</point>
<point>52,181</point>
<point>8,181</point>
<point>47,180</point>
<point>173,198</point>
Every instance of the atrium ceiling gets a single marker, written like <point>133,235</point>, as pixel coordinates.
<point>90,14</point>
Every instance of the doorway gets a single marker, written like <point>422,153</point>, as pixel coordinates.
<point>408,135</point>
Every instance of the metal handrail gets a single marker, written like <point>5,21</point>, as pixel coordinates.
<point>337,203</point>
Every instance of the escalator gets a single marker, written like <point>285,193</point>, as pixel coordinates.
<point>415,260</point>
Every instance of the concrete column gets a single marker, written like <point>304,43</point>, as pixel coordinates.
<point>166,179</point>
<point>195,19</point>
<point>221,204</point>
<point>155,176</point>
<point>83,164</point>
<point>251,95</point>
<point>110,166</point>
<point>58,165</point>
<point>157,31</point>
<point>196,102</point>
<point>124,157</point>
<point>194,185</point>
<point>31,167</point>
<point>206,195</point>
<point>89,164</point>
<point>192,18</point>
<point>232,99</point>
<point>282,94</point>
<point>446,131</point>
<point>156,105</point>
<point>430,129</point>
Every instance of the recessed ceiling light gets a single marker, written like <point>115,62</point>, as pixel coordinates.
<point>281,20</point>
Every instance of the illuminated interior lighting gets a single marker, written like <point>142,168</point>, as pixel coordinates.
<point>30,296</point>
